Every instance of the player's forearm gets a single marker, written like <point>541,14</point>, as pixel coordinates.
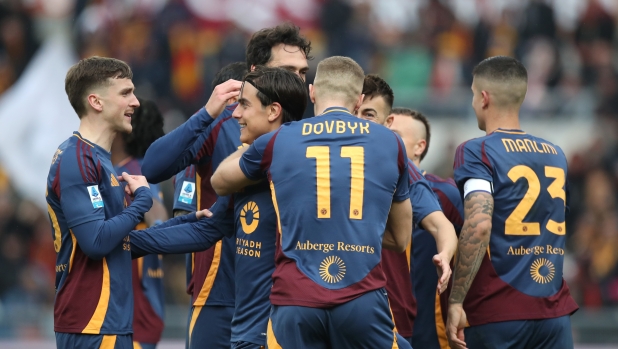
<point>443,232</point>
<point>174,151</point>
<point>473,242</point>
<point>182,234</point>
<point>229,178</point>
<point>99,238</point>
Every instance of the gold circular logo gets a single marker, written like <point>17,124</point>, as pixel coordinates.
<point>542,271</point>
<point>250,208</point>
<point>332,269</point>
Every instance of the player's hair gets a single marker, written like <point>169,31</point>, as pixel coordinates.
<point>147,124</point>
<point>416,115</point>
<point>281,86</point>
<point>339,78</point>
<point>260,46</point>
<point>375,86</point>
<point>508,77</point>
<point>91,73</point>
<point>235,71</point>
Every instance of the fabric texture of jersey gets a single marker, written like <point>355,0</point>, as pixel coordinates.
<point>256,231</point>
<point>93,296</point>
<point>396,266</point>
<point>430,322</point>
<point>204,142</point>
<point>147,275</point>
<point>332,203</point>
<point>520,277</point>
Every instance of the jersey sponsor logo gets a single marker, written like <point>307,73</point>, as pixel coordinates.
<point>249,217</point>
<point>56,154</point>
<point>249,248</point>
<point>113,180</point>
<point>340,246</point>
<point>95,196</point>
<point>332,269</point>
<point>536,250</point>
<point>542,271</point>
<point>187,192</point>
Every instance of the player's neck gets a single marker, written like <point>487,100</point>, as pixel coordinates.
<point>320,107</point>
<point>417,162</point>
<point>98,134</point>
<point>502,119</point>
<point>118,153</point>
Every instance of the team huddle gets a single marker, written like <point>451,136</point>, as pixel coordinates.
<point>307,233</point>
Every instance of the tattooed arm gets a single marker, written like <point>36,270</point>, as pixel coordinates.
<point>473,242</point>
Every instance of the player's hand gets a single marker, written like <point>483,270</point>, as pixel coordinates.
<point>444,272</point>
<point>133,182</point>
<point>221,95</point>
<point>203,213</point>
<point>455,324</point>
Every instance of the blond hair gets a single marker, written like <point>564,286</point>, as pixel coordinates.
<point>339,78</point>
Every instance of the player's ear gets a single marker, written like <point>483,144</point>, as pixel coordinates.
<point>312,93</point>
<point>252,67</point>
<point>422,145</point>
<point>359,102</point>
<point>389,121</point>
<point>275,112</point>
<point>95,102</point>
<point>485,96</point>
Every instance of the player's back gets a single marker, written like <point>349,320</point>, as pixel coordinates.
<point>333,180</point>
<point>521,276</point>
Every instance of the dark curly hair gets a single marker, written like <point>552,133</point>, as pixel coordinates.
<point>236,71</point>
<point>260,46</point>
<point>375,86</point>
<point>147,123</point>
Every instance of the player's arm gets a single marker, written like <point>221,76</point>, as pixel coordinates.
<point>175,150</point>
<point>398,230</point>
<point>178,213</point>
<point>443,232</point>
<point>184,234</point>
<point>99,237</point>
<point>473,242</point>
<point>229,177</point>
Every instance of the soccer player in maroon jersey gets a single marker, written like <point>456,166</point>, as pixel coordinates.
<point>508,285</point>
<point>430,322</point>
<point>376,107</point>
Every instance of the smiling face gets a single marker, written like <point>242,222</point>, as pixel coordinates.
<point>373,109</point>
<point>290,58</point>
<point>118,104</point>
<point>252,116</point>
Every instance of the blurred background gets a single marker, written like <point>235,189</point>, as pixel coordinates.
<point>425,49</point>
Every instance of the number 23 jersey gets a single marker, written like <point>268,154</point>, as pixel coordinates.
<point>521,274</point>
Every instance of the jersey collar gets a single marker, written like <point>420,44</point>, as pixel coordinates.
<point>335,109</point>
<point>510,131</point>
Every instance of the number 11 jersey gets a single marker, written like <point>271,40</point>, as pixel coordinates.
<point>333,179</point>
<point>520,277</point>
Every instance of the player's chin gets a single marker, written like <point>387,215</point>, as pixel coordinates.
<point>245,136</point>
<point>126,128</point>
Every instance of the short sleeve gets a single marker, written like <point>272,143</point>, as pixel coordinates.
<point>255,162</point>
<point>402,191</point>
<point>423,200</point>
<point>80,196</point>
<point>471,162</point>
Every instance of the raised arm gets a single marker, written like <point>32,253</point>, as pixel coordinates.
<point>229,178</point>
<point>175,151</point>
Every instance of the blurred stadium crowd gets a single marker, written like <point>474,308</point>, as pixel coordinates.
<point>424,48</point>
